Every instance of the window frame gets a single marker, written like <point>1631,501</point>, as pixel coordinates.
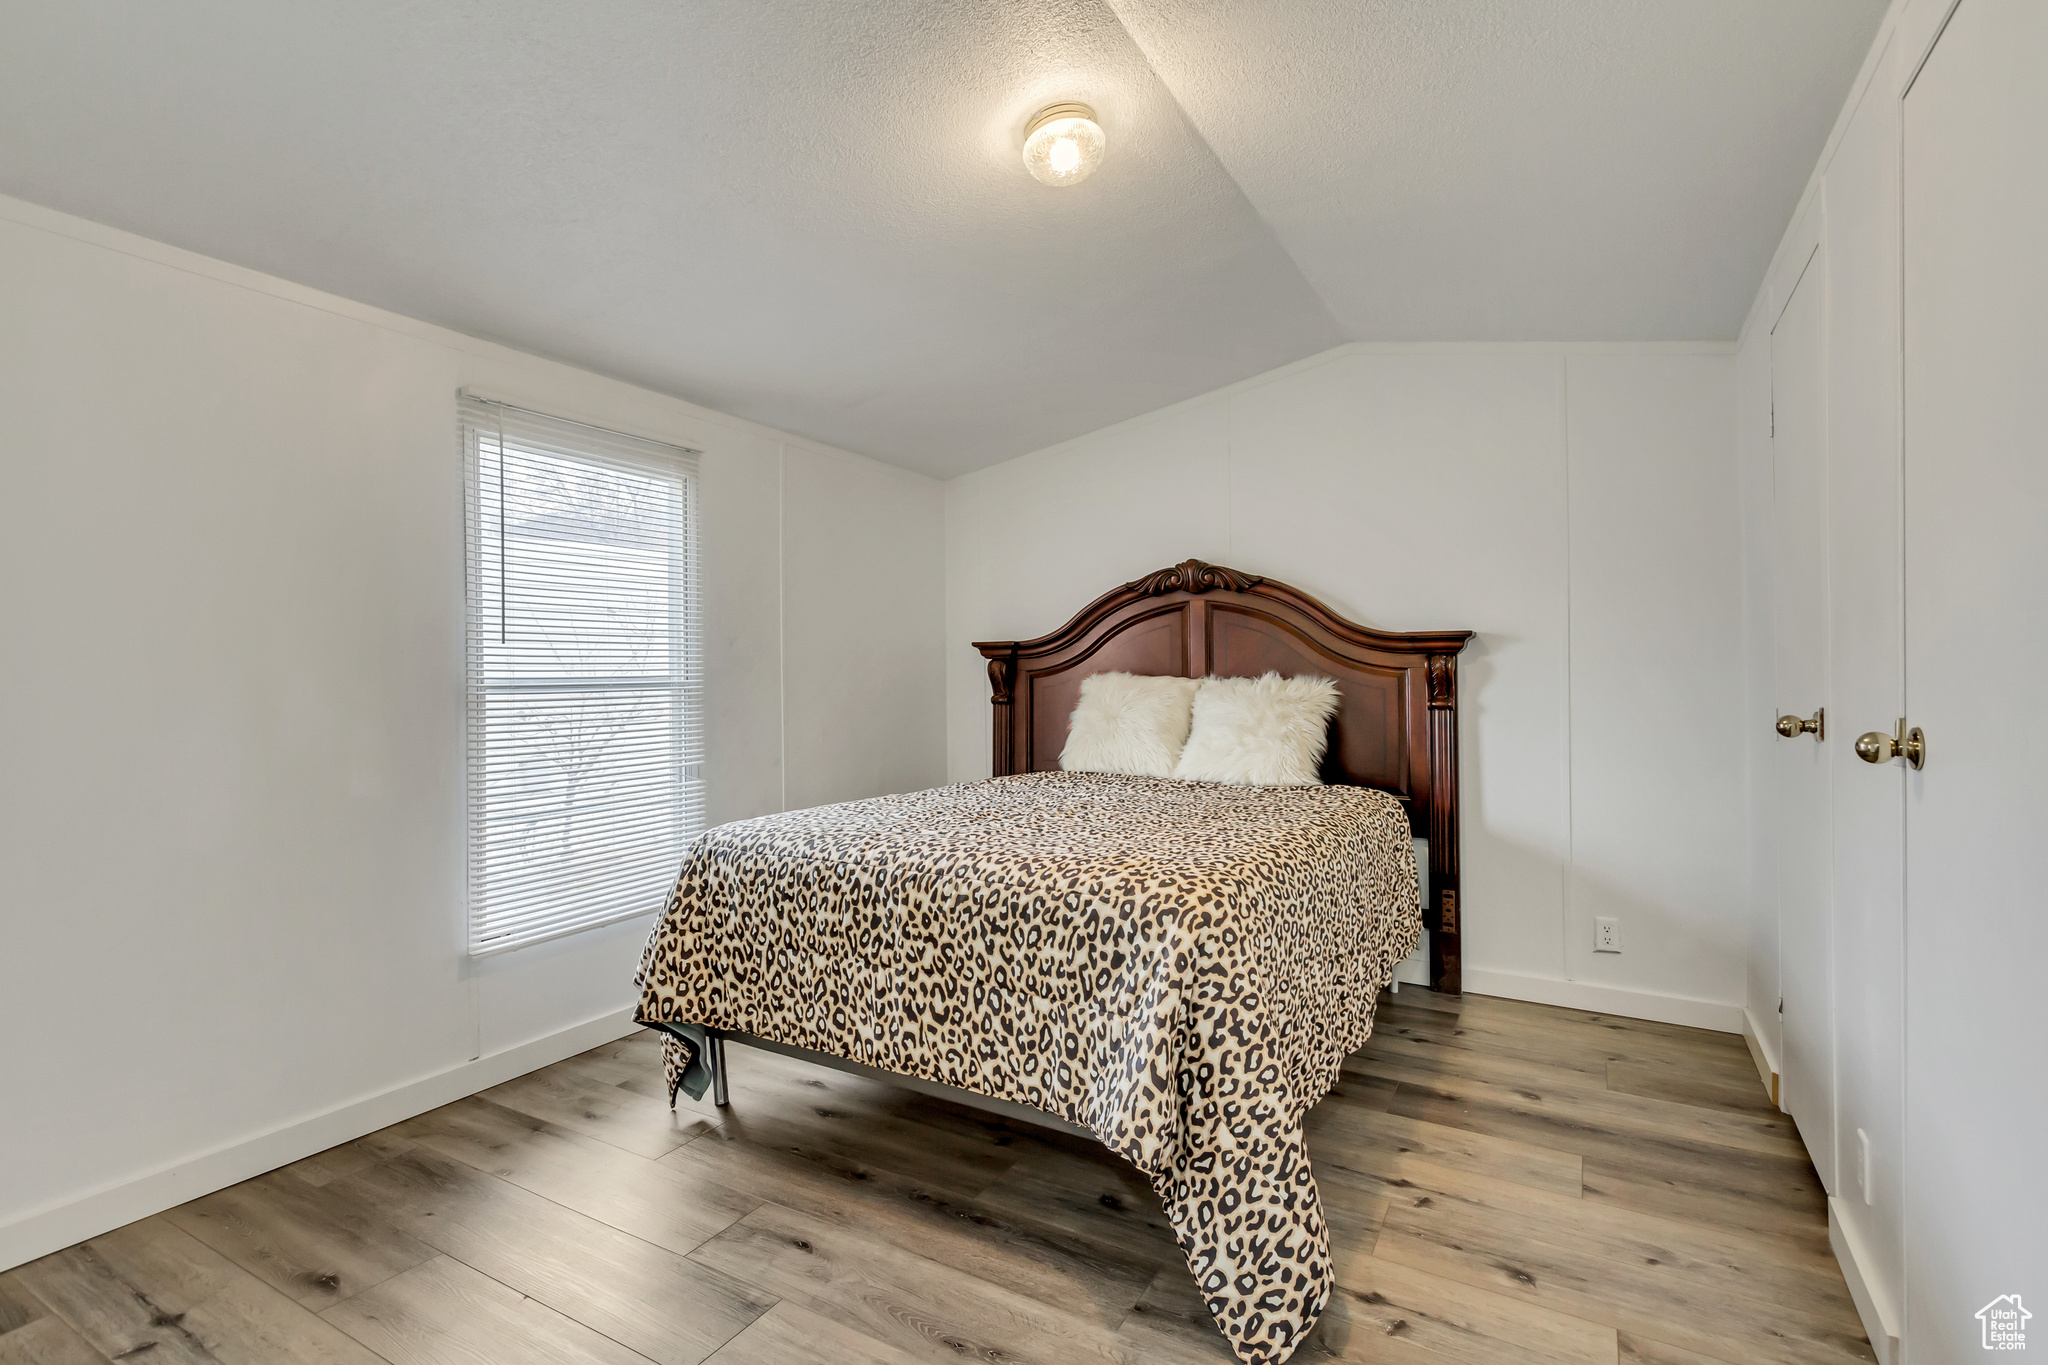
<point>490,432</point>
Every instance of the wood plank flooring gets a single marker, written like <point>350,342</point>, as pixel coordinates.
<point>1507,1184</point>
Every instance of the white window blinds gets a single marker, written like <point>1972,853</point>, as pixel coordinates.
<point>585,674</point>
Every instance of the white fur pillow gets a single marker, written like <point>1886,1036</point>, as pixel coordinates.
<point>1129,724</point>
<point>1268,731</point>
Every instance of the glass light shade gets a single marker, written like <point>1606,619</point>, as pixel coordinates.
<point>1064,144</point>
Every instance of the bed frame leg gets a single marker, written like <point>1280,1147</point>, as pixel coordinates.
<point>716,1050</point>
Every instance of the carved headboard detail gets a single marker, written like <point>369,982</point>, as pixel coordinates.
<point>1397,720</point>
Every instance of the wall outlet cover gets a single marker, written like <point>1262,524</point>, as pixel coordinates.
<point>1863,1165</point>
<point>1606,935</point>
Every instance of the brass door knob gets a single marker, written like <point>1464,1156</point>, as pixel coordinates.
<point>1876,746</point>
<point>1792,727</point>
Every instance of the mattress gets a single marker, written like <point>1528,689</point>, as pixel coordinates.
<point>1179,967</point>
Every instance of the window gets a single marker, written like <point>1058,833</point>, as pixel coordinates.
<point>584,684</point>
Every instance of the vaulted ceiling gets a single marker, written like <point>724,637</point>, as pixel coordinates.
<point>814,215</point>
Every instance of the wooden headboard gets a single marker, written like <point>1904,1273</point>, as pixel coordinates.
<point>1397,722</point>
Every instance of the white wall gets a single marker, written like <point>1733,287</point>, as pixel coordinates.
<point>1577,506</point>
<point>866,690</point>
<point>230,666</point>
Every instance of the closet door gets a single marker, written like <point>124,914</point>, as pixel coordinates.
<point>1867,688</point>
<point>1975,413</point>
<point>1799,612</point>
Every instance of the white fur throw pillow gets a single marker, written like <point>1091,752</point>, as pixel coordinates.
<point>1129,724</point>
<point>1268,731</point>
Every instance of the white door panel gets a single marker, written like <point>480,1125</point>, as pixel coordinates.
<point>1975,413</point>
<point>1799,609</point>
<point>1866,683</point>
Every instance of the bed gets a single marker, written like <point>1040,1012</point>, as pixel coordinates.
<point>1176,967</point>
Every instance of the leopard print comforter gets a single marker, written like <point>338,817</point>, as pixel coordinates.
<point>1180,967</point>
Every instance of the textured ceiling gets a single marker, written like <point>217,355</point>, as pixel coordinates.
<point>1517,170</point>
<point>813,215</point>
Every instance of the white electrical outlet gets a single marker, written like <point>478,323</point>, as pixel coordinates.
<point>1863,1164</point>
<point>1606,935</point>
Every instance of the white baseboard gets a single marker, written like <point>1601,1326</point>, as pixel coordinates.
<point>52,1228</point>
<point>1760,1053</point>
<point>1580,995</point>
<point>1880,1323</point>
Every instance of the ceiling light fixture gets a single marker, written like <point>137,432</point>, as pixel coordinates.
<point>1063,145</point>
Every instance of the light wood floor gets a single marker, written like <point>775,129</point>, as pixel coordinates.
<point>1508,1184</point>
